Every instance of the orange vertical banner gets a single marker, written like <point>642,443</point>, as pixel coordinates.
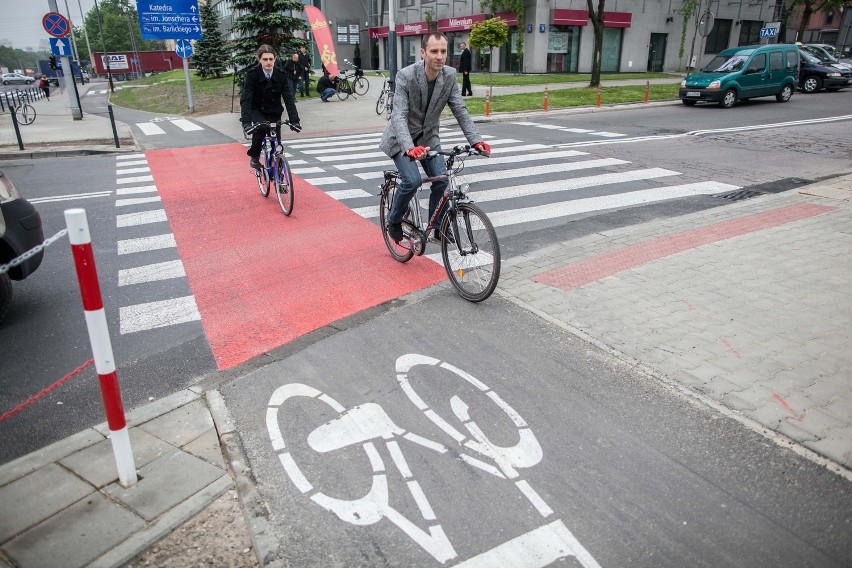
<point>322,37</point>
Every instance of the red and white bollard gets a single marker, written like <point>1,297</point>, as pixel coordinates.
<point>545,99</point>
<point>90,291</point>
<point>647,90</point>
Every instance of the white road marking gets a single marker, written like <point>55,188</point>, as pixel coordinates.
<point>151,273</point>
<point>566,208</point>
<point>126,171</point>
<point>129,156</point>
<point>311,170</point>
<point>361,156</point>
<point>325,180</point>
<point>149,128</point>
<point>152,315</point>
<point>186,125</point>
<point>540,170</point>
<point>70,197</point>
<point>136,179</point>
<point>141,218</point>
<point>136,201</point>
<point>127,163</point>
<point>134,190</point>
<point>347,193</point>
<point>143,244</point>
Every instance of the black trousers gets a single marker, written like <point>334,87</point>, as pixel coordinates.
<point>258,134</point>
<point>466,90</point>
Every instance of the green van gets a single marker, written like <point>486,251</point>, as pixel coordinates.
<point>742,73</point>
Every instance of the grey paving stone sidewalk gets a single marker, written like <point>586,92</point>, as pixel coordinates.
<point>757,324</point>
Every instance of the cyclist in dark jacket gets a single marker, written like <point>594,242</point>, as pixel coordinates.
<point>260,101</point>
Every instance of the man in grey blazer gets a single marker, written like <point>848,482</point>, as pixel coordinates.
<point>422,91</point>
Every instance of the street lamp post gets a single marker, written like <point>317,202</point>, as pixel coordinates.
<point>85,32</point>
<point>103,44</point>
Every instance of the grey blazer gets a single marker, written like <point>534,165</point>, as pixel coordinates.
<point>411,123</point>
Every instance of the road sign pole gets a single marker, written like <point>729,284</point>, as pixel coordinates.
<point>188,88</point>
<point>67,71</point>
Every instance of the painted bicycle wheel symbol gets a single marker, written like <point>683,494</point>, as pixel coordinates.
<point>368,424</point>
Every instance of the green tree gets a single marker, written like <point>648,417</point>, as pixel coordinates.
<point>20,59</point>
<point>490,33</point>
<point>515,7</point>
<point>118,21</point>
<point>596,18</point>
<point>807,8</point>
<point>270,22</point>
<point>210,53</point>
<point>687,10</point>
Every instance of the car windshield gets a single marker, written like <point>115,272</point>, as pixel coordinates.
<point>820,54</point>
<point>729,64</point>
<point>809,58</point>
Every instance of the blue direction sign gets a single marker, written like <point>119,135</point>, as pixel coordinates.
<point>60,46</point>
<point>56,24</point>
<point>183,48</point>
<point>169,19</point>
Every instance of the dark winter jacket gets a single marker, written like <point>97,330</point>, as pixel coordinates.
<point>265,96</point>
<point>464,61</point>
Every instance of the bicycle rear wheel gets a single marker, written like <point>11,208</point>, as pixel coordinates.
<point>361,86</point>
<point>262,177</point>
<point>380,104</point>
<point>404,250</point>
<point>284,183</point>
<point>25,113</point>
<point>472,262</point>
<point>343,90</point>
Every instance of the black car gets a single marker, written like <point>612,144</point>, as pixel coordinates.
<point>20,231</point>
<point>814,75</point>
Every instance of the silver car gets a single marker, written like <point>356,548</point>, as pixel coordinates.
<point>16,79</point>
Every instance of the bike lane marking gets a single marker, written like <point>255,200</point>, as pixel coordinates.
<point>261,279</point>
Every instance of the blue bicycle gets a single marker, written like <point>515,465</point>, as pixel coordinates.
<point>274,171</point>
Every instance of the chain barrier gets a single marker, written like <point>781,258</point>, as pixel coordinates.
<point>4,268</point>
<point>31,400</point>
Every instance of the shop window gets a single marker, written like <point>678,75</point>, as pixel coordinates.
<point>511,62</point>
<point>749,32</point>
<point>611,50</point>
<point>563,49</point>
<point>719,36</point>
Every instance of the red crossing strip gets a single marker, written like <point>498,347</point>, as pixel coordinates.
<point>606,264</point>
<point>261,279</point>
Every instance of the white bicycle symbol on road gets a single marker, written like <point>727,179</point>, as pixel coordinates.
<point>368,424</point>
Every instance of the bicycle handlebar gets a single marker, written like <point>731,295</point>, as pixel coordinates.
<point>295,127</point>
<point>455,151</point>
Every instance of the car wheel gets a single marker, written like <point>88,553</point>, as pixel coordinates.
<point>688,103</point>
<point>811,84</point>
<point>729,99</point>
<point>5,82</point>
<point>29,82</point>
<point>5,294</point>
<point>785,94</point>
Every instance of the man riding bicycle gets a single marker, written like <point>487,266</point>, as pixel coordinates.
<point>422,91</point>
<point>260,101</point>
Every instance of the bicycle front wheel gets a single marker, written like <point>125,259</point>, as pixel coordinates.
<point>262,177</point>
<point>471,257</point>
<point>403,250</point>
<point>284,186</point>
<point>361,86</point>
<point>26,114</point>
<point>380,104</point>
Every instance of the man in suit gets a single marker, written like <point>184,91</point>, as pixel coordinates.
<point>464,69</point>
<point>422,91</point>
<point>305,62</point>
<point>260,101</point>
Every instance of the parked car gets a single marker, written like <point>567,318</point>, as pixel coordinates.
<point>16,79</point>
<point>825,55</point>
<point>742,73</point>
<point>814,75</point>
<point>20,231</point>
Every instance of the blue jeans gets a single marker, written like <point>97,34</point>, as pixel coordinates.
<point>409,181</point>
<point>328,93</point>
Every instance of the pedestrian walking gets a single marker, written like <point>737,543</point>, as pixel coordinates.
<point>464,68</point>
<point>294,72</point>
<point>44,85</point>
<point>305,63</point>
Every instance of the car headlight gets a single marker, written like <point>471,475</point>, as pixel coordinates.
<point>683,84</point>
<point>833,74</point>
<point>714,84</point>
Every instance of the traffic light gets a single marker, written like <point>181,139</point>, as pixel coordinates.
<point>53,62</point>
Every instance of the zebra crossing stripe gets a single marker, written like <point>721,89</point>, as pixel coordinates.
<point>149,128</point>
<point>539,170</point>
<point>303,171</point>
<point>387,163</point>
<point>443,130</point>
<point>339,194</point>
<point>132,171</point>
<point>152,315</point>
<point>186,125</point>
<point>374,144</point>
<point>131,163</point>
<point>586,205</point>
<point>136,201</point>
<point>325,180</point>
<point>492,161</point>
<point>141,218</point>
<point>541,188</point>
<point>134,190</point>
<point>342,157</point>
<point>136,179</point>
<point>318,148</point>
<point>144,244</point>
<point>577,130</point>
<point>151,273</point>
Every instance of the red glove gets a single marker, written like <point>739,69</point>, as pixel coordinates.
<point>483,148</point>
<point>417,153</point>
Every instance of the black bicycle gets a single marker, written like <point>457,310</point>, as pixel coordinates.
<point>385,102</point>
<point>469,247</point>
<point>274,171</point>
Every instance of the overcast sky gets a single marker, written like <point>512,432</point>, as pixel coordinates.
<point>20,20</point>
